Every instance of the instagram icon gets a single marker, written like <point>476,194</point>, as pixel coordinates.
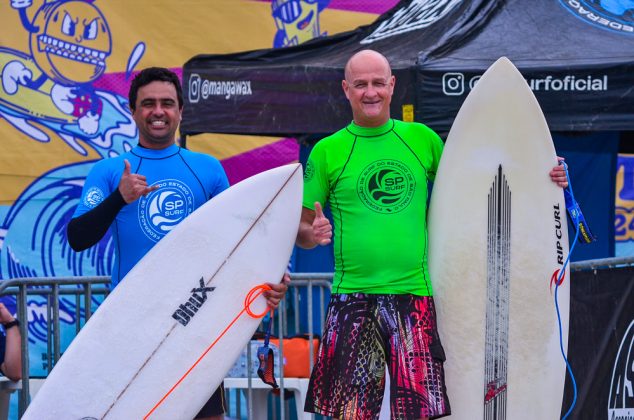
<point>453,84</point>
<point>194,88</point>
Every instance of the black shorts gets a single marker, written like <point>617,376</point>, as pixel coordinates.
<point>216,404</point>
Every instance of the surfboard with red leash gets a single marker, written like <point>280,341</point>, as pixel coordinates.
<point>163,340</point>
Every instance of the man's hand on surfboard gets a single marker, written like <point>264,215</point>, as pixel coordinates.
<point>277,292</point>
<point>132,186</point>
<point>558,174</point>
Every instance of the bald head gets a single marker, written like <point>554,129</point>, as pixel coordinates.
<point>366,58</point>
<point>369,85</point>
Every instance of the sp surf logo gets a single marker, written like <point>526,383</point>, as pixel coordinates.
<point>386,186</point>
<point>187,310</point>
<point>310,171</point>
<point>93,197</point>
<point>164,208</point>
<point>613,15</point>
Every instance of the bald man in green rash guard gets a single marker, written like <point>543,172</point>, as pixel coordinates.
<point>374,174</point>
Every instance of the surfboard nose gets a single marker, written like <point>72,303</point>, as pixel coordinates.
<point>502,73</point>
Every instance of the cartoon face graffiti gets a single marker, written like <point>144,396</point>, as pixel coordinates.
<point>72,41</point>
<point>297,20</point>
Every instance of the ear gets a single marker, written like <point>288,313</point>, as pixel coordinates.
<point>346,87</point>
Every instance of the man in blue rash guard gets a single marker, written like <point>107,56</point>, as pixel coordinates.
<point>142,194</point>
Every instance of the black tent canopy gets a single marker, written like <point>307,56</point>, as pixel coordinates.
<point>578,60</point>
<point>577,55</point>
<point>297,90</point>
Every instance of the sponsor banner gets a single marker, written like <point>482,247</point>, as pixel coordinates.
<point>267,100</point>
<point>600,344</point>
<point>567,97</point>
<point>256,97</point>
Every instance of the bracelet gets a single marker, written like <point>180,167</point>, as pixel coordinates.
<point>11,324</point>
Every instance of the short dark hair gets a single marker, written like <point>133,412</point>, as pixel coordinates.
<point>153,74</point>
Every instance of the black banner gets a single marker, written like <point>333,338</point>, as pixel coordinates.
<point>601,345</point>
<point>271,100</point>
<point>264,101</point>
<point>569,97</point>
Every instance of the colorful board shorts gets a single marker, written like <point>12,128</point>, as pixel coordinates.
<point>362,333</point>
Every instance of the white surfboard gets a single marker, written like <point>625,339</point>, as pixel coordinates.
<point>144,352</point>
<point>497,233</point>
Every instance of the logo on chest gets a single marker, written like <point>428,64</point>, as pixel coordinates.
<point>164,208</point>
<point>386,186</point>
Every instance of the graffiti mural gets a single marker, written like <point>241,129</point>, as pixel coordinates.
<point>48,91</point>
<point>297,21</point>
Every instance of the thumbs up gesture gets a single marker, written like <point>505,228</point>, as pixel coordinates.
<point>322,229</point>
<point>132,186</point>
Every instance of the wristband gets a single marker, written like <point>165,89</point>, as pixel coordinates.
<point>11,324</point>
